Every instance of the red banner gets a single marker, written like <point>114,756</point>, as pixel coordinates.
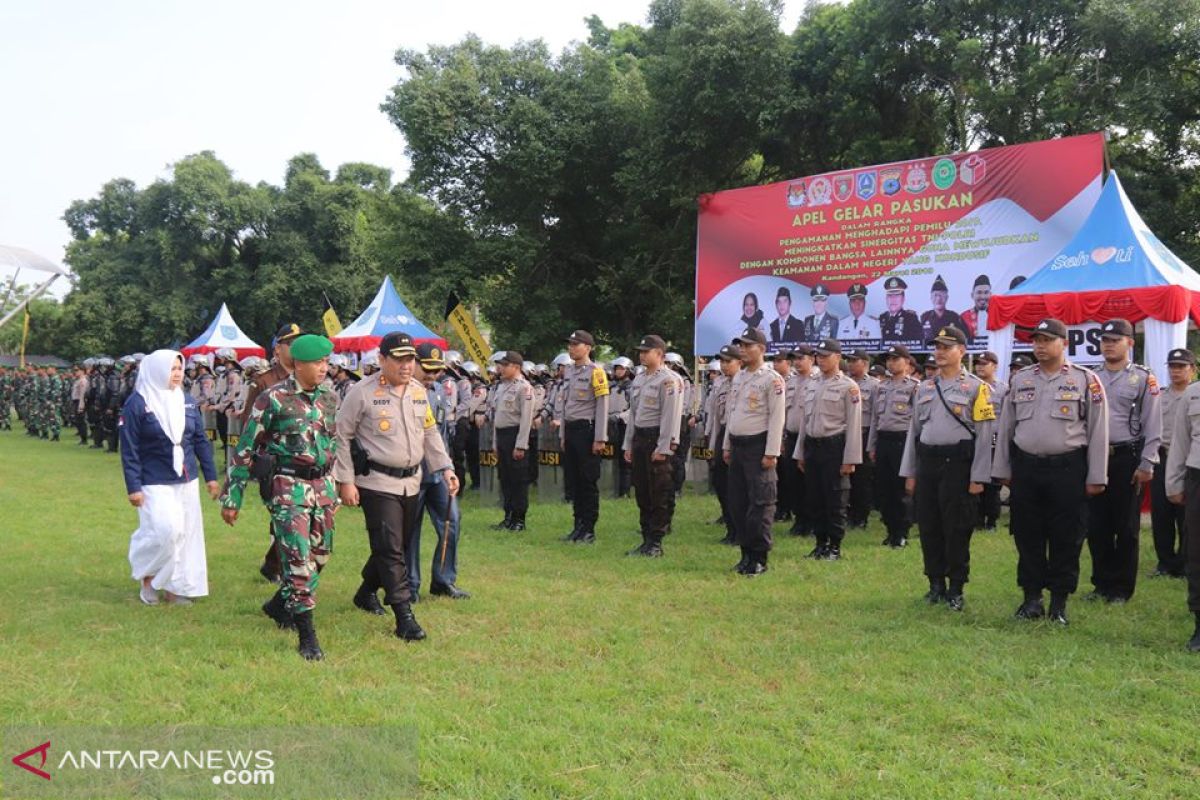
<point>890,253</point>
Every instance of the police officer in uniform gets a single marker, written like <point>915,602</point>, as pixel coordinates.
<point>898,324</point>
<point>716,418</point>
<point>583,432</point>
<point>1183,487</point>
<point>820,324</point>
<point>891,417</point>
<point>947,460</point>
<point>656,409</point>
<point>829,447</point>
<point>781,361</point>
<point>1052,449</point>
<point>793,492</point>
<point>753,438</point>
<point>862,480</point>
<point>989,503</point>
<point>618,419</point>
<point>513,419</point>
<point>858,326</point>
<point>1134,436</point>
<point>1166,518</point>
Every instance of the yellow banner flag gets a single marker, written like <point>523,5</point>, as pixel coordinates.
<point>459,317</point>
<point>25,336</point>
<point>333,325</point>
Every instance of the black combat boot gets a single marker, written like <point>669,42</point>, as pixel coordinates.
<point>937,591</point>
<point>504,525</point>
<point>406,624</point>
<point>309,648</point>
<point>653,547</point>
<point>740,567</point>
<point>275,609</point>
<point>1058,608</point>
<point>368,601</point>
<point>954,598</point>
<point>1194,643</point>
<point>757,564</point>
<point>640,550</point>
<point>1032,607</point>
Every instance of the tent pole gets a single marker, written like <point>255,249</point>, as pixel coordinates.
<point>11,285</point>
<point>32,296</point>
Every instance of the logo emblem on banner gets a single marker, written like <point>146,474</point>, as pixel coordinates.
<point>917,179</point>
<point>866,184</point>
<point>843,187</point>
<point>973,169</point>
<point>891,180</point>
<point>796,194</point>
<point>820,192</point>
<point>944,173</point>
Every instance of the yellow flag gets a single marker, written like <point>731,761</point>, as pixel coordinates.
<point>333,325</point>
<point>25,336</point>
<point>463,323</point>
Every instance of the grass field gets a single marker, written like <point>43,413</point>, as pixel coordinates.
<point>575,672</point>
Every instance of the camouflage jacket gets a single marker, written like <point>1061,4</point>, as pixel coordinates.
<point>296,427</point>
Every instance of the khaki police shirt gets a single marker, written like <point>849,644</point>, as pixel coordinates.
<point>585,396</point>
<point>1048,415</point>
<point>892,408</point>
<point>1133,409</point>
<point>833,406</point>
<point>1170,401</point>
<point>396,426</point>
<point>1185,440</point>
<point>716,414</point>
<point>514,408</point>
<point>757,405</point>
<point>798,400</point>
<point>656,401</point>
<point>970,410</point>
<point>868,385</point>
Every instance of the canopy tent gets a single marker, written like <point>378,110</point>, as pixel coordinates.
<point>224,332</point>
<point>386,313</point>
<point>1114,267</point>
<point>18,258</point>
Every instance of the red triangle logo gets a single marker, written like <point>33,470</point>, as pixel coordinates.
<point>20,760</point>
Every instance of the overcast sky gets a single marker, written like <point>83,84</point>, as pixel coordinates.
<point>95,90</point>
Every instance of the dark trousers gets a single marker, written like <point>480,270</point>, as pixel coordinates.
<point>752,493</point>
<point>1114,526</point>
<point>796,497</point>
<point>445,517</point>
<point>531,459</point>
<point>680,457</point>
<point>785,472</point>
<point>1191,547</point>
<point>989,504</point>
<point>1166,520</point>
<point>514,475</point>
<point>110,430</point>
<point>584,468</point>
<point>827,488</point>
<point>1048,507</point>
<point>458,449</point>
<point>860,488</point>
<point>389,519</point>
<point>893,503</point>
<point>624,471</point>
<point>473,455</point>
<point>652,486</point>
<point>223,429</point>
<point>81,427</point>
<point>96,423</point>
<point>946,511</point>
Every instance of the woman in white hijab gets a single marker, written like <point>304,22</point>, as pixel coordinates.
<point>162,439</point>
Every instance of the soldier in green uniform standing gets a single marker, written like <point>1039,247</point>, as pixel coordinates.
<point>292,427</point>
<point>6,382</point>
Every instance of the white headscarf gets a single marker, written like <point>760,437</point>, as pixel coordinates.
<point>154,375</point>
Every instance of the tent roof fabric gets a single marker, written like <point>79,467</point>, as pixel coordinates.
<point>386,313</point>
<point>1113,267</point>
<point>20,258</point>
<point>223,332</point>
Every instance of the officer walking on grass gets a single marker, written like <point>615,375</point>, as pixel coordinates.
<point>947,460</point>
<point>753,438</point>
<point>829,447</point>
<point>1052,449</point>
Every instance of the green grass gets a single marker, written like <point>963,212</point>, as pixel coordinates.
<point>576,672</point>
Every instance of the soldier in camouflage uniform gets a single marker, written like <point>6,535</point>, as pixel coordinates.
<point>51,398</point>
<point>6,386</point>
<point>293,422</point>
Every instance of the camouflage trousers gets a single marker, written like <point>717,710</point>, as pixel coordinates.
<point>304,540</point>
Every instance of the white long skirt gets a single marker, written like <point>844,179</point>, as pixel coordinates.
<point>169,541</point>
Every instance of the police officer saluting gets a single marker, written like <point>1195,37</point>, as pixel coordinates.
<point>655,413</point>
<point>583,432</point>
<point>891,417</point>
<point>753,437</point>
<point>828,448</point>
<point>1052,449</point>
<point>512,421</point>
<point>947,460</point>
<point>385,429</point>
<point>1134,434</point>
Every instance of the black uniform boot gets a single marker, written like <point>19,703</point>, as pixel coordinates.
<point>757,564</point>
<point>936,593</point>
<point>740,567</point>
<point>503,526</point>
<point>640,550</point>
<point>406,624</point>
<point>1194,643</point>
<point>1058,609</point>
<point>275,609</point>
<point>1032,607</point>
<point>368,601</point>
<point>309,648</point>
<point>653,547</point>
<point>954,597</point>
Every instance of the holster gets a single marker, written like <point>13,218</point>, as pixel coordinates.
<point>358,456</point>
<point>262,469</point>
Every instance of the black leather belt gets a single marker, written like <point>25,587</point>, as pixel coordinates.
<point>753,438</point>
<point>1132,447</point>
<point>646,432</point>
<point>837,440</point>
<point>303,473</point>
<point>580,423</point>
<point>892,435</point>
<point>395,472</point>
<point>1057,460</point>
<point>964,449</point>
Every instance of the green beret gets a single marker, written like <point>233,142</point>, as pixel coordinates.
<point>310,347</point>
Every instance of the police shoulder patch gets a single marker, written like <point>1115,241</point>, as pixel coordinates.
<point>982,410</point>
<point>1152,384</point>
<point>599,382</point>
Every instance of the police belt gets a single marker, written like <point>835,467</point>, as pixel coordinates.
<point>837,440</point>
<point>964,449</point>
<point>573,424</point>
<point>892,436</point>
<point>1057,460</point>
<point>754,438</point>
<point>646,432</point>
<point>395,472</point>
<point>1133,447</point>
<point>1193,473</point>
<point>303,473</point>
